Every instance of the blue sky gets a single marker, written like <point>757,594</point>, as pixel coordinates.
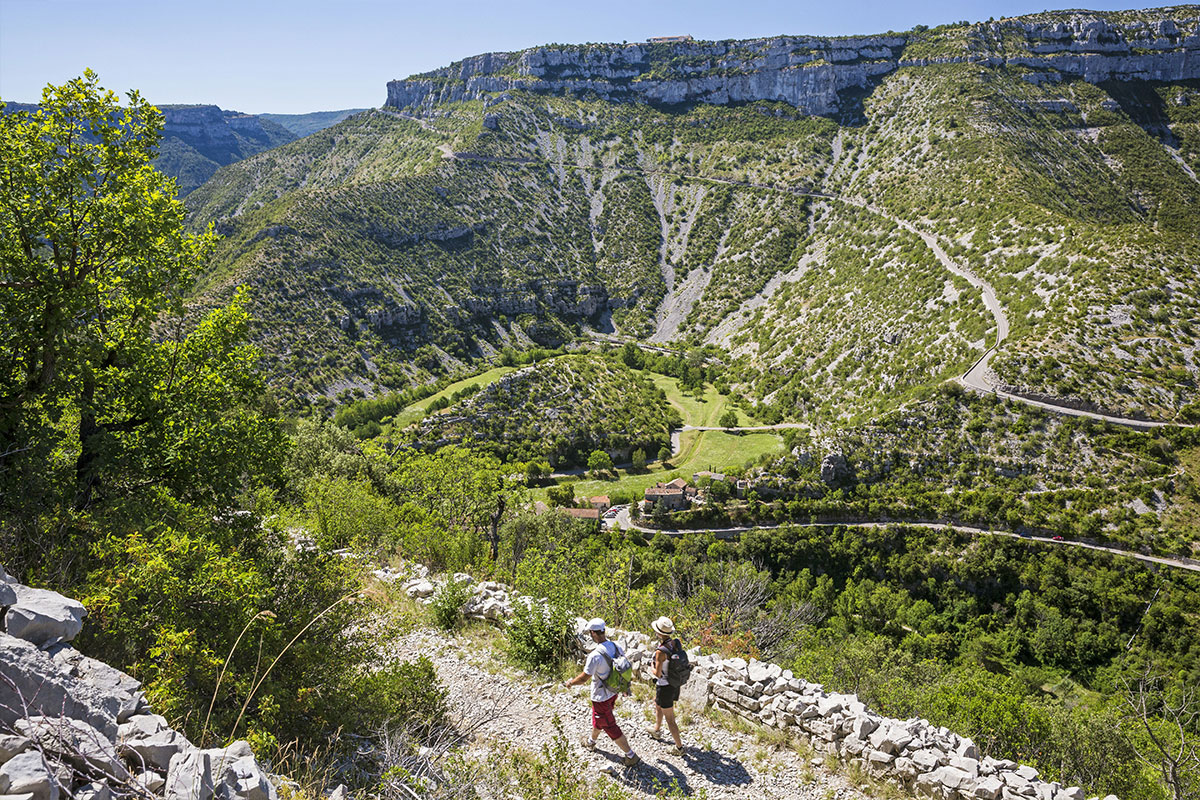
<point>314,55</point>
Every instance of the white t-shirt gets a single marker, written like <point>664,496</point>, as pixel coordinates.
<point>597,667</point>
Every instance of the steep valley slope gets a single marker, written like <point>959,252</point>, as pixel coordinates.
<point>753,195</point>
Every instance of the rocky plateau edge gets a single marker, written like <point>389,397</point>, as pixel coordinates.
<point>923,758</point>
<point>809,72</point>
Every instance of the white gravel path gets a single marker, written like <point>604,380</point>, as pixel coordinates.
<point>718,762</point>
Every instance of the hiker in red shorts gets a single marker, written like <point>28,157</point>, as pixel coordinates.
<point>603,699</point>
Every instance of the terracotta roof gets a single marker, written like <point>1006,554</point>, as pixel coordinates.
<point>584,513</point>
<point>678,483</point>
<point>601,498</point>
<point>663,491</point>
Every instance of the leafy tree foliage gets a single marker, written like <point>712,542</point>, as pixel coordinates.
<point>104,390</point>
<point>599,462</point>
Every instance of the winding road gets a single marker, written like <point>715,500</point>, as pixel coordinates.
<point>624,521</point>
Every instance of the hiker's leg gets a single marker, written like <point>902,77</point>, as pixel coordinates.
<point>669,714</point>
<point>603,719</point>
<point>658,718</point>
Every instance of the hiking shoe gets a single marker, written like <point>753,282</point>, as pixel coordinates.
<point>677,750</point>
<point>630,761</point>
<point>587,743</point>
<point>655,734</point>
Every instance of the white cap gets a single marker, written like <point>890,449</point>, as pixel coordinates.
<point>596,624</point>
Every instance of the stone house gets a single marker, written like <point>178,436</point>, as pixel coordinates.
<point>672,496</point>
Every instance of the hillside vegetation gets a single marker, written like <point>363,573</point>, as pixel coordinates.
<point>232,545</point>
<point>562,410</point>
<point>393,248</point>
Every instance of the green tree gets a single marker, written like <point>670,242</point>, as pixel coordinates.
<point>104,391</point>
<point>536,472</point>
<point>639,459</point>
<point>563,495</point>
<point>664,454</point>
<point>600,462</point>
<point>729,419</point>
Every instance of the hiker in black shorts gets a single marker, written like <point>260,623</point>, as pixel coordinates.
<point>665,694</point>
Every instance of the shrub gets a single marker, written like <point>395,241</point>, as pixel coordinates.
<point>540,635</point>
<point>200,619</point>
<point>448,602</point>
<point>410,693</point>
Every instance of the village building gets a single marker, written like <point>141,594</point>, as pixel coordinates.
<point>600,502</point>
<point>588,515</point>
<point>673,496</point>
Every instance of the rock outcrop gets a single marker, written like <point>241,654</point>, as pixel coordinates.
<point>74,726</point>
<point>810,72</point>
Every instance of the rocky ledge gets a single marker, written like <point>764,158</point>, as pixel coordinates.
<point>811,72</point>
<point>72,726</point>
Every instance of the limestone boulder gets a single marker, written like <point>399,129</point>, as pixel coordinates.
<point>40,686</point>
<point>75,742</point>
<point>156,750</point>
<point>419,588</point>
<point>105,679</point>
<point>229,773</point>
<point>96,790</point>
<point>43,617</point>
<point>10,745</point>
<point>28,775</point>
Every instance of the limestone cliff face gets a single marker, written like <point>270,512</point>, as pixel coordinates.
<point>809,72</point>
<point>199,139</point>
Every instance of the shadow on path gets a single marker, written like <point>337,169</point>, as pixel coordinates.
<point>656,774</point>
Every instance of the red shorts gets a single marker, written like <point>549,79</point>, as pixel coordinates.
<point>603,719</point>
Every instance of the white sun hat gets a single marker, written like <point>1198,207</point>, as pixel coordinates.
<point>663,626</point>
<point>596,624</point>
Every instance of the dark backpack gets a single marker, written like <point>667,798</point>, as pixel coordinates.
<point>679,666</point>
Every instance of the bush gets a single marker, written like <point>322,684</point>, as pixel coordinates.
<point>188,612</point>
<point>562,495</point>
<point>411,694</point>
<point>447,604</point>
<point>539,636</point>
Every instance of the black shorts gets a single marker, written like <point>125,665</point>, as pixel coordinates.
<point>665,696</point>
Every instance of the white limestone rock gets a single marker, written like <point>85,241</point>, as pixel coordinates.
<point>96,790</point>
<point>229,773</point>
<point>988,788</point>
<point>419,588</point>
<point>105,679</point>
<point>43,617</point>
<point>156,750</point>
<point>10,745</point>
<point>75,742</point>
<point>42,686</point>
<point>28,774</point>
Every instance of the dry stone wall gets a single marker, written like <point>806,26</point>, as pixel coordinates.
<point>923,758</point>
<point>72,726</point>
